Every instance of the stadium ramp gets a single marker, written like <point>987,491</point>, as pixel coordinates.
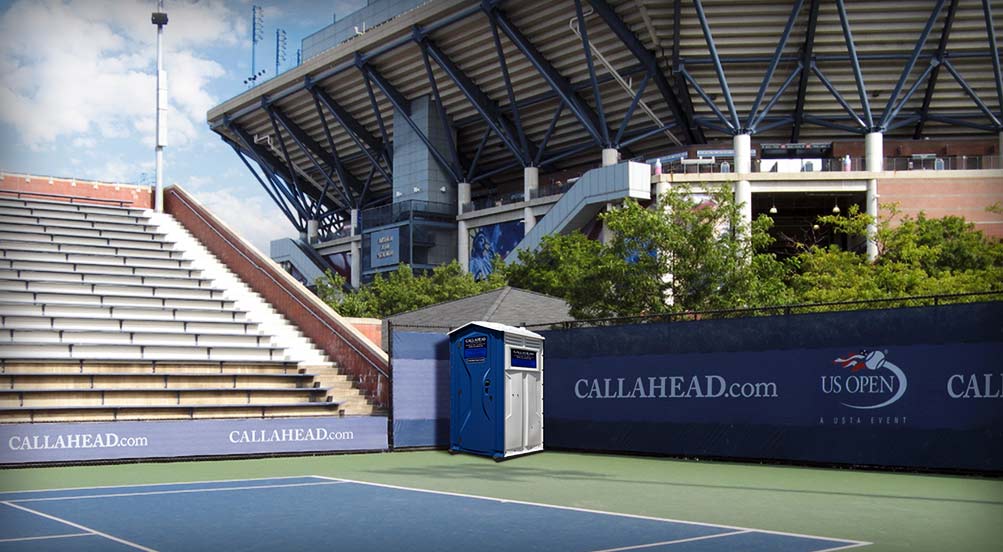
<point>586,198</point>
<point>111,313</point>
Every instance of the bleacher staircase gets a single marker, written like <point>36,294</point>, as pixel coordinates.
<point>109,313</point>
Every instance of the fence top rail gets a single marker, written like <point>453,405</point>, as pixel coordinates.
<point>774,310</point>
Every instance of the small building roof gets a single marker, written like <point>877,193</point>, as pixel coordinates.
<point>507,305</point>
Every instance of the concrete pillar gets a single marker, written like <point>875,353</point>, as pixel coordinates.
<point>875,161</point>
<point>356,253</point>
<point>312,231</point>
<point>462,234</point>
<point>743,189</point>
<point>530,185</point>
<point>605,234</point>
<point>999,150</point>
<point>610,156</point>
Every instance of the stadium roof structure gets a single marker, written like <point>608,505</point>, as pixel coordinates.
<point>550,84</point>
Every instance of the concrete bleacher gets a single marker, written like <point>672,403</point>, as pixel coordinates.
<point>111,313</point>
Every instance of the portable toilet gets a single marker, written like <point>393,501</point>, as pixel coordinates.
<point>496,396</point>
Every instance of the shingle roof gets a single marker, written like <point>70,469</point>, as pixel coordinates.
<point>507,305</point>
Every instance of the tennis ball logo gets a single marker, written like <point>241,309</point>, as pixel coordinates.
<point>873,381</point>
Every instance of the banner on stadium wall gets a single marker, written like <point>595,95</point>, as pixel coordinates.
<point>906,388</point>
<point>420,389</point>
<point>70,442</point>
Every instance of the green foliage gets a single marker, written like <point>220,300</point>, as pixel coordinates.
<point>918,256</point>
<point>703,246</point>
<point>402,290</point>
<point>711,265</point>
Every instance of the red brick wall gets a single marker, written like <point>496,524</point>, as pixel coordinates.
<point>352,353</point>
<point>370,327</point>
<point>938,197</point>
<point>67,188</point>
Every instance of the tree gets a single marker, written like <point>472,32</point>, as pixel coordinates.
<point>687,253</point>
<point>918,256</point>
<point>402,290</point>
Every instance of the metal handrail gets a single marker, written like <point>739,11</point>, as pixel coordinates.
<point>19,193</point>
<point>283,288</point>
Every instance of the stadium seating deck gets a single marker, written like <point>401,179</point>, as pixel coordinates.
<point>103,318</point>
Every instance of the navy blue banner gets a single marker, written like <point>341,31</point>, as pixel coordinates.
<point>67,442</point>
<point>905,387</point>
<point>420,389</point>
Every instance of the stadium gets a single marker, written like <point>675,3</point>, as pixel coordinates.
<point>168,386</point>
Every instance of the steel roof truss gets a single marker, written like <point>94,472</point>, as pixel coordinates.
<point>829,124</point>
<point>346,180</point>
<point>997,72</point>
<point>289,163</point>
<point>485,106</point>
<point>707,100</point>
<point>718,68</point>
<point>509,91</point>
<point>546,136</point>
<point>754,127</point>
<point>368,144</point>
<point>750,122</point>
<point>440,108</point>
<point>400,104</point>
<point>971,93</point>
<point>888,114</point>
<point>807,50</point>
<point>271,192</point>
<point>376,106</point>
<point>839,97</point>
<point>271,166</point>
<point>889,118</point>
<point>858,75</point>
<point>961,122</point>
<point>931,84</point>
<point>556,81</point>
<point>644,134</point>
<point>477,154</point>
<point>630,110</point>
<point>583,33</point>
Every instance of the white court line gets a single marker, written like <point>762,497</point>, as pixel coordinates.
<point>78,526</point>
<point>46,537</point>
<point>849,543</point>
<point>159,484</point>
<point>178,491</point>
<point>677,541</point>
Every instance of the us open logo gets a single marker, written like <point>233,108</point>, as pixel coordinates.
<point>873,382</point>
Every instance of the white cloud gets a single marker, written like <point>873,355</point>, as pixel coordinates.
<point>254,218</point>
<point>85,69</point>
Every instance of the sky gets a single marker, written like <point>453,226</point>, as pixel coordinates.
<point>78,93</point>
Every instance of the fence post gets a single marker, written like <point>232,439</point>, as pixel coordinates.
<point>390,385</point>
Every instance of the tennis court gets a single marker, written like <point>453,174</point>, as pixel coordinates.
<point>600,502</point>
<point>304,513</point>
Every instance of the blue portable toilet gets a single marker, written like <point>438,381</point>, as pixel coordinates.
<point>496,396</point>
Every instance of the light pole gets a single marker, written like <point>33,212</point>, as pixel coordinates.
<point>159,18</point>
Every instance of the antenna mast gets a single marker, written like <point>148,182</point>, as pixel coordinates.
<point>257,35</point>
<point>280,49</point>
<point>159,18</point>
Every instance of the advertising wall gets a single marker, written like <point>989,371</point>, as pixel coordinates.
<point>488,241</point>
<point>420,389</point>
<point>67,442</point>
<point>918,387</point>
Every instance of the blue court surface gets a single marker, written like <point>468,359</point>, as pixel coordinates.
<point>319,513</point>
